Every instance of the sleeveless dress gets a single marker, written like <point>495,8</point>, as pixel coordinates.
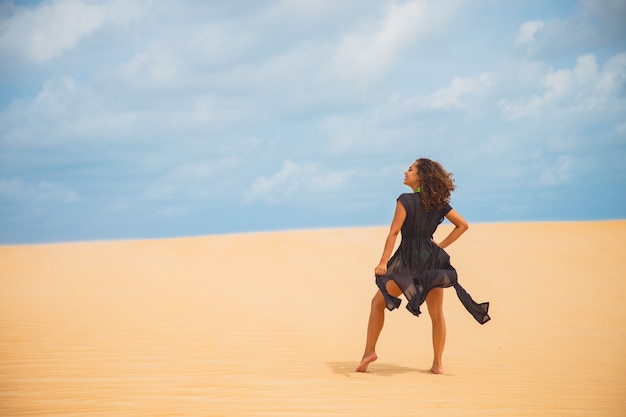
<point>419,265</point>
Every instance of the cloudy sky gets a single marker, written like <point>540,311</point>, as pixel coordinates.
<point>143,118</point>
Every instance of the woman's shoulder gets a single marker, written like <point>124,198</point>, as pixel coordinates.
<point>408,199</point>
<point>405,196</point>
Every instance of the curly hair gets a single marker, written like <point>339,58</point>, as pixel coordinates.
<point>437,184</point>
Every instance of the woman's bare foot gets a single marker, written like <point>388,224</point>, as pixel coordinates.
<point>436,369</point>
<point>367,359</point>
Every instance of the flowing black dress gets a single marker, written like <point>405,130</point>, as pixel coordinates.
<point>419,265</point>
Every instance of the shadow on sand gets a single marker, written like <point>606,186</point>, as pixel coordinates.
<point>377,368</point>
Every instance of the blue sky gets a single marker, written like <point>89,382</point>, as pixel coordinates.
<point>141,119</point>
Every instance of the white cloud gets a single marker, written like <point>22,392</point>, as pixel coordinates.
<point>53,192</point>
<point>218,45</point>
<point>367,54</point>
<point>280,73</point>
<point>51,28</point>
<point>582,88</point>
<point>62,111</point>
<point>452,95</point>
<point>563,84</point>
<point>400,122</point>
<point>17,190</point>
<point>154,66</point>
<point>159,191</point>
<point>528,31</point>
<point>350,132</point>
<point>304,9</point>
<point>67,111</point>
<point>296,182</point>
<point>58,98</point>
<point>555,172</point>
<point>612,79</point>
<point>193,180</point>
<point>593,25</point>
<point>169,212</point>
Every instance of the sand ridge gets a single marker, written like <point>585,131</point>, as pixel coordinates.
<point>273,324</point>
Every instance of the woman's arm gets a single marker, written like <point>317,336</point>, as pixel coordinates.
<point>460,226</point>
<point>396,226</point>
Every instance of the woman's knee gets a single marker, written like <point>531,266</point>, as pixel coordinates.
<point>378,301</point>
<point>436,314</point>
<point>434,301</point>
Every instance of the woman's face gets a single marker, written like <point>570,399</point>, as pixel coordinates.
<point>412,177</point>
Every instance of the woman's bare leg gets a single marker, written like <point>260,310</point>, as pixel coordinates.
<point>375,325</point>
<point>434,301</point>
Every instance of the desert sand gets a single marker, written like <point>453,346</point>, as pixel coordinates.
<point>273,324</point>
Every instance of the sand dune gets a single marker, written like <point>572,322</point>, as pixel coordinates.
<point>273,324</point>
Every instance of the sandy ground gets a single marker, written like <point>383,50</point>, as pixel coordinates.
<point>273,324</point>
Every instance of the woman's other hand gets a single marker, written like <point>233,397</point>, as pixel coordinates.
<point>381,269</point>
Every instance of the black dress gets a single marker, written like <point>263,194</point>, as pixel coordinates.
<point>419,265</point>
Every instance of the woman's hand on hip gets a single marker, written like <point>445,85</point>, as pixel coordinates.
<point>381,269</point>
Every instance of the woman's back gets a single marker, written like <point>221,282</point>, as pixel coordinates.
<point>420,223</point>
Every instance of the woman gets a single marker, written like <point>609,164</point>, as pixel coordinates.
<point>420,268</point>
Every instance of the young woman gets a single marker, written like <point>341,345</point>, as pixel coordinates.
<point>420,268</point>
